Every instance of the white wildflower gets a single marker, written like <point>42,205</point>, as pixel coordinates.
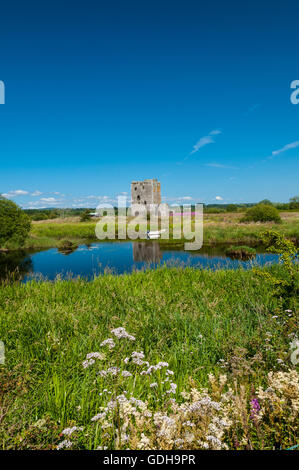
<point>88,363</point>
<point>69,431</point>
<point>188,423</point>
<point>113,370</point>
<point>99,416</point>
<point>122,333</point>
<point>144,443</point>
<point>108,342</point>
<point>173,388</point>
<point>95,355</point>
<point>140,355</point>
<point>214,440</point>
<point>64,444</point>
<point>126,373</point>
<point>153,384</point>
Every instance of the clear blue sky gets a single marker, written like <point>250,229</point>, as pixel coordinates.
<point>196,94</point>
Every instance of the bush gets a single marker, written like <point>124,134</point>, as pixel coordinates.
<point>14,225</point>
<point>262,213</point>
<point>66,246</point>
<point>231,208</point>
<point>85,216</point>
<point>240,252</point>
<point>294,203</point>
<point>267,202</point>
<point>287,288</point>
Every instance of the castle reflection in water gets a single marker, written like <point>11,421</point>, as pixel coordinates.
<point>147,252</point>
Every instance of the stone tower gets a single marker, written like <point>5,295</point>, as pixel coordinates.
<point>147,192</point>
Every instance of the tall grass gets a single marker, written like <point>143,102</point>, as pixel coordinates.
<point>197,321</point>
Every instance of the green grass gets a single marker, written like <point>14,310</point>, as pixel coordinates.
<point>217,230</point>
<point>48,328</point>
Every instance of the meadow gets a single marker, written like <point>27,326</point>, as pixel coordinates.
<point>166,359</point>
<point>223,228</point>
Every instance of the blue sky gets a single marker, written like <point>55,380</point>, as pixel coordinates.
<point>193,93</point>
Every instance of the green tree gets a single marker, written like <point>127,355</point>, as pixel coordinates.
<point>231,208</point>
<point>14,224</point>
<point>262,213</point>
<point>267,202</point>
<point>85,216</point>
<point>294,202</point>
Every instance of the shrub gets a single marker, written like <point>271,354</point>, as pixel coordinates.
<point>240,252</point>
<point>14,225</point>
<point>66,246</point>
<point>85,216</point>
<point>287,288</point>
<point>294,203</point>
<point>231,208</point>
<point>262,213</point>
<point>267,202</point>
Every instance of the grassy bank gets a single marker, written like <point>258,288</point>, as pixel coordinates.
<point>199,322</point>
<point>218,229</point>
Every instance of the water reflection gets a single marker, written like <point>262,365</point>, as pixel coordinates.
<point>14,264</point>
<point>119,258</point>
<point>147,252</point>
<point>67,247</point>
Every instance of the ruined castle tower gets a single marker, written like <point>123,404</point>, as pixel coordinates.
<point>147,192</point>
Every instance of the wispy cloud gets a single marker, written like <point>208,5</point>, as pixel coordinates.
<point>216,132</point>
<point>218,198</point>
<point>49,199</point>
<point>203,141</point>
<point>36,193</point>
<point>15,193</point>
<point>220,165</point>
<point>293,145</point>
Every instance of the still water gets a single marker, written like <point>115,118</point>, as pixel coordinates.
<point>118,258</point>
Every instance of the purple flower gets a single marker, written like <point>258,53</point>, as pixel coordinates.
<point>254,407</point>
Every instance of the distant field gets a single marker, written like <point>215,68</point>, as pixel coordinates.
<point>218,228</point>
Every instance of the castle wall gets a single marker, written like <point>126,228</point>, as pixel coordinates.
<point>146,192</point>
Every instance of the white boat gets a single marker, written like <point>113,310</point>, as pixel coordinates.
<point>153,235</point>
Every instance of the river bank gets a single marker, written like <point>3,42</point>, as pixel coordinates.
<point>217,229</point>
